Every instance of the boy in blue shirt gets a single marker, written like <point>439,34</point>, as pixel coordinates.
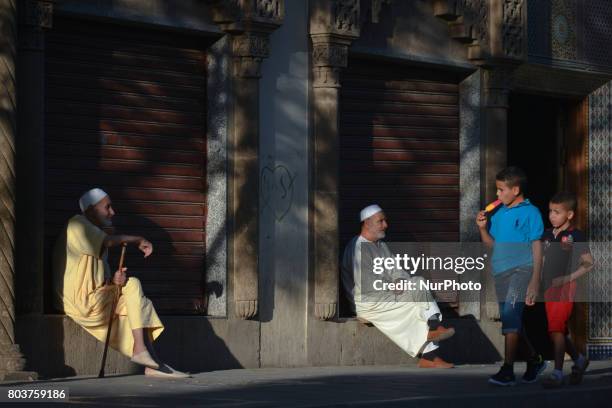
<point>514,236</point>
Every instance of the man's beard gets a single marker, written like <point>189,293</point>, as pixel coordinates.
<point>106,222</point>
<point>381,235</point>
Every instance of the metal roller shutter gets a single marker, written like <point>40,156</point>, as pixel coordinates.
<point>399,147</point>
<point>125,111</point>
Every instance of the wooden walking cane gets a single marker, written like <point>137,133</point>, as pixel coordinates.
<point>113,307</point>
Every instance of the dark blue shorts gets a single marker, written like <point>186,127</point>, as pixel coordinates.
<point>511,288</point>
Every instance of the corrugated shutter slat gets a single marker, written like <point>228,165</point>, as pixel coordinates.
<point>399,147</point>
<point>125,111</point>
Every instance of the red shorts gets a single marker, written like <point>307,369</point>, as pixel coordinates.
<point>559,305</point>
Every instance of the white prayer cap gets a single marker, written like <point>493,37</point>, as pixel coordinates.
<point>92,197</point>
<point>369,211</point>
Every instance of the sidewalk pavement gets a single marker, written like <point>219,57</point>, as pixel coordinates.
<point>363,386</point>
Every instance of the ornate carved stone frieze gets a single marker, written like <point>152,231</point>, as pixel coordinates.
<point>330,54</point>
<point>268,10</point>
<point>250,22</point>
<point>249,50</point>
<point>245,15</point>
<point>328,59</point>
<point>514,29</point>
<point>333,25</point>
<point>326,77</point>
<point>346,16</point>
<point>476,12</point>
<point>251,45</point>
<point>335,17</point>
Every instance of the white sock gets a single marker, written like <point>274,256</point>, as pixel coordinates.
<point>558,373</point>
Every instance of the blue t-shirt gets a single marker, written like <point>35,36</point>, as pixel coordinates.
<point>514,229</point>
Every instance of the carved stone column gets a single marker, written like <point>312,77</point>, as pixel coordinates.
<point>35,18</point>
<point>249,22</point>
<point>249,49</point>
<point>333,25</point>
<point>508,47</point>
<point>495,32</point>
<point>12,361</point>
<point>496,85</point>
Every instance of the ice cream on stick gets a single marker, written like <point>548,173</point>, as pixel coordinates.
<point>492,206</point>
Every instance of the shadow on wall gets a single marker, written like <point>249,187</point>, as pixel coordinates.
<point>187,343</point>
<point>66,350</point>
<point>283,174</point>
<point>126,125</point>
<point>135,126</point>
<point>427,202</point>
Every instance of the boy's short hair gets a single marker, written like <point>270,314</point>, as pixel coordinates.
<point>566,198</point>
<point>513,176</point>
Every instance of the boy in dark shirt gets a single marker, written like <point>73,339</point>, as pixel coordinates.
<point>566,258</point>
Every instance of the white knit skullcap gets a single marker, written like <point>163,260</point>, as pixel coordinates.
<point>369,211</point>
<point>92,197</point>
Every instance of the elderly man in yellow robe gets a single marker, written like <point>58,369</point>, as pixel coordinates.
<point>84,286</point>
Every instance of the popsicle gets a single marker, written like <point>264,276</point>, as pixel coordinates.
<point>492,206</point>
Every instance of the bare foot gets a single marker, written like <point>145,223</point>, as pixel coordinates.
<point>152,371</point>
<point>149,371</point>
<point>138,349</point>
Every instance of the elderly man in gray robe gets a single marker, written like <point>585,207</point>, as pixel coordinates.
<point>411,318</point>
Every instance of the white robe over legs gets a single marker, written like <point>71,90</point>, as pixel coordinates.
<point>401,317</point>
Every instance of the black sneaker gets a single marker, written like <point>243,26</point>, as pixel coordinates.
<point>535,367</point>
<point>504,377</point>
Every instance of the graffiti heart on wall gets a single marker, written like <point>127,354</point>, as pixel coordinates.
<point>277,190</point>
